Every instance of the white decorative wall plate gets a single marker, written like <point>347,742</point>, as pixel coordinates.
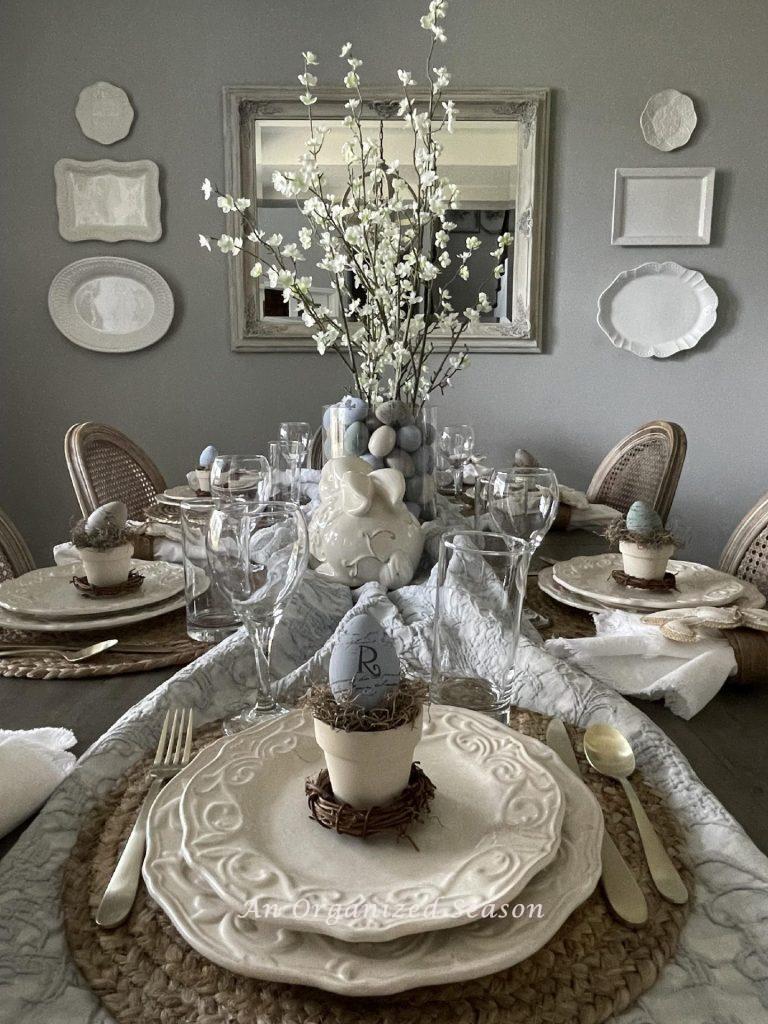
<point>109,200</point>
<point>668,120</point>
<point>657,309</point>
<point>104,113</point>
<point>662,205</point>
<point>110,304</point>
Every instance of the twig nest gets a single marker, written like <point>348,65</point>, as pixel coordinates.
<point>364,667</point>
<point>208,456</point>
<point>112,513</point>
<point>642,519</point>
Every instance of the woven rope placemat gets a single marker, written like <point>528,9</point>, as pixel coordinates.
<point>165,637</point>
<point>592,967</point>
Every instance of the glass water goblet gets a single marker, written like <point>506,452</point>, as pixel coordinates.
<point>294,443</point>
<point>456,444</point>
<point>241,478</point>
<point>261,553</point>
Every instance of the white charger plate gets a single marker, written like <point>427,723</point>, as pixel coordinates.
<point>261,949</point>
<point>174,496</point>
<point>751,598</point>
<point>696,584</point>
<point>8,620</point>
<point>50,594</point>
<point>494,823</point>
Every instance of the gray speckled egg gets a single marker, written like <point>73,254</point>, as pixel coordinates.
<point>642,519</point>
<point>364,665</point>
<point>356,439</point>
<point>424,459</point>
<point>382,441</point>
<point>373,460</point>
<point>420,489</point>
<point>207,457</point>
<point>524,458</point>
<point>409,438</point>
<point>429,432</point>
<point>114,512</point>
<point>394,413</point>
<point>401,461</point>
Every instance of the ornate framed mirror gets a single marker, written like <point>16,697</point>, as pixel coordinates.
<point>497,156</point>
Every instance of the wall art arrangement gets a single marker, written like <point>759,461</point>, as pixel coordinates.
<point>109,304</point>
<point>658,309</point>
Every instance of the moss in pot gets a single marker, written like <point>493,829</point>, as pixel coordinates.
<point>645,544</point>
<point>104,544</point>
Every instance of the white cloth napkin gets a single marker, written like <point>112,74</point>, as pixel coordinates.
<point>637,660</point>
<point>32,764</point>
<point>592,517</point>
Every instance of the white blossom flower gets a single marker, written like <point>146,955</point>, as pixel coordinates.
<point>483,304</point>
<point>255,235</point>
<point>505,239</point>
<point>444,260</point>
<point>472,315</point>
<point>498,271</point>
<point>280,182</point>
<point>427,271</point>
<point>405,77</point>
<point>345,49</point>
<point>257,269</point>
<point>354,63</point>
<point>275,241</point>
<point>351,80</point>
<point>204,242</point>
<point>309,57</point>
<point>308,79</point>
<point>291,252</point>
<point>451,110</point>
<point>441,80</point>
<point>473,242</point>
<point>230,245</point>
<point>226,204</point>
<point>206,188</point>
<point>242,204</point>
<point>307,98</point>
<point>305,237</point>
<point>464,272</point>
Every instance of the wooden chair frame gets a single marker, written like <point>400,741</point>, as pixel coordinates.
<point>13,547</point>
<point>674,435</point>
<point>744,536</point>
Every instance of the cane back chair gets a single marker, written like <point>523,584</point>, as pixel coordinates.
<point>644,466</point>
<point>746,553</point>
<point>105,465</point>
<point>15,557</point>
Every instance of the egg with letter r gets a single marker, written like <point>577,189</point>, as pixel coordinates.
<point>364,666</point>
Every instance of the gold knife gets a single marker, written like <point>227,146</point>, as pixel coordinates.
<point>619,884</point>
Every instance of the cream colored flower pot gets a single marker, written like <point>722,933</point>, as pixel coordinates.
<point>106,568</point>
<point>368,769</point>
<point>645,563</point>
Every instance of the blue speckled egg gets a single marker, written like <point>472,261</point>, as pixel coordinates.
<point>642,519</point>
<point>355,409</point>
<point>113,512</point>
<point>356,439</point>
<point>373,460</point>
<point>401,461</point>
<point>409,438</point>
<point>423,459</point>
<point>207,457</point>
<point>364,665</point>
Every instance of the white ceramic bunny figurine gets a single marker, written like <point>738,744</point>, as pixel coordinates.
<point>362,531</point>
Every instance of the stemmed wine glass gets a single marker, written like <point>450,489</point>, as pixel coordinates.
<point>260,552</point>
<point>241,478</point>
<point>523,502</point>
<point>457,442</point>
<point>294,442</point>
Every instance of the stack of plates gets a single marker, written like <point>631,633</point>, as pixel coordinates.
<point>46,601</point>
<point>510,849</point>
<point>174,496</point>
<point>586,582</point>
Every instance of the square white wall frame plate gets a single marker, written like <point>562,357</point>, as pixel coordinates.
<point>109,200</point>
<point>662,205</point>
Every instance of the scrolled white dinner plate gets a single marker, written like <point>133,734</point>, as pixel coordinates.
<point>495,823</point>
<point>261,949</point>
<point>49,593</point>
<point>696,584</point>
<point>8,620</point>
<point>174,496</point>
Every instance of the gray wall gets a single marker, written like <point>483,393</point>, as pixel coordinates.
<point>602,58</point>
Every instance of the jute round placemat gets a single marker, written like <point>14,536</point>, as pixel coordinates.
<point>165,639</point>
<point>145,972</point>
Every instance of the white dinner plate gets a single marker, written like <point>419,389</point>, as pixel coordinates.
<point>50,594</point>
<point>695,584</point>
<point>261,949</point>
<point>183,492</point>
<point>751,598</point>
<point>494,823</point>
<point>8,620</point>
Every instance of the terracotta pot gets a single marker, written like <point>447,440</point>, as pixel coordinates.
<point>645,563</point>
<point>368,769</point>
<point>106,568</point>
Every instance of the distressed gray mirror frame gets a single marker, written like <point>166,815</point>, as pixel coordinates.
<point>522,332</point>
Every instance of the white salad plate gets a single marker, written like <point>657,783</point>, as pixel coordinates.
<point>751,598</point>
<point>668,120</point>
<point>27,624</point>
<point>657,309</point>
<point>258,948</point>
<point>50,594</point>
<point>110,304</point>
<point>494,823</point>
<point>176,495</point>
<point>696,584</point>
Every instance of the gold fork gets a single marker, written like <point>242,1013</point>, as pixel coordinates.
<point>174,750</point>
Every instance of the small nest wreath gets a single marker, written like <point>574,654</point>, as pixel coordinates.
<point>624,578</point>
<point>133,582</point>
<point>411,806</point>
<point>399,708</point>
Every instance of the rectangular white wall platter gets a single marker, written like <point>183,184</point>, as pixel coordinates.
<point>110,200</point>
<point>662,205</point>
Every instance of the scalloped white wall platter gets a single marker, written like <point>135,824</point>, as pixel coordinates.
<point>108,200</point>
<point>657,309</point>
<point>263,949</point>
<point>104,112</point>
<point>110,304</point>
<point>662,205</point>
<point>668,120</point>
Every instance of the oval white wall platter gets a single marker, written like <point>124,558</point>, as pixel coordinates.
<point>657,309</point>
<point>668,120</point>
<point>110,304</point>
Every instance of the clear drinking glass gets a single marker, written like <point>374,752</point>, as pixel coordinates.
<point>210,615</point>
<point>277,488</point>
<point>241,478</point>
<point>456,444</point>
<point>294,443</point>
<point>261,553</point>
<point>478,575</point>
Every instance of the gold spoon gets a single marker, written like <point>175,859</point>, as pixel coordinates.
<point>609,752</point>
<point>82,655</point>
